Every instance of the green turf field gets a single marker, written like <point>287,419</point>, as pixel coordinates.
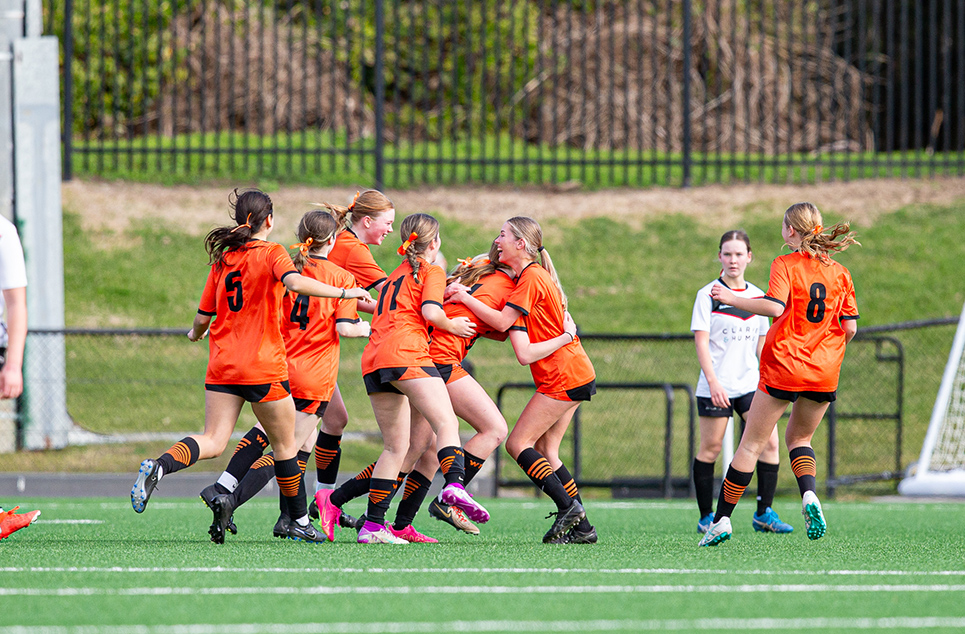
<point>93,565</point>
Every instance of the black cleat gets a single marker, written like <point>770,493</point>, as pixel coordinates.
<point>307,533</point>
<point>144,484</point>
<point>347,521</point>
<point>582,537</point>
<point>565,520</point>
<point>281,526</point>
<point>222,506</point>
<point>208,494</point>
<point>313,510</point>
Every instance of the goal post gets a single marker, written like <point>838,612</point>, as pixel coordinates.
<point>940,469</point>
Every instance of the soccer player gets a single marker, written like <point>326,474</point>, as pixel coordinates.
<point>729,341</point>
<point>812,300</point>
<point>311,328</point>
<point>244,289</point>
<point>543,337</point>
<point>398,372</point>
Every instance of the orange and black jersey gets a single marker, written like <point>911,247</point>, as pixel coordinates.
<point>308,326</point>
<point>244,296</point>
<point>400,334</point>
<point>538,299</point>
<point>804,347</point>
<point>354,256</point>
<point>492,290</point>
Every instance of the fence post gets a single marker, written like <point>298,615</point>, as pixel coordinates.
<point>379,94</point>
<point>68,89</point>
<point>687,158</point>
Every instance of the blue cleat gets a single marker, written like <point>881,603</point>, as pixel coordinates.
<point>704,523</point>
<point>769,522</point>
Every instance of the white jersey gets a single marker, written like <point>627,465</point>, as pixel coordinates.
<point>733,340</point>
<point>13,273</point>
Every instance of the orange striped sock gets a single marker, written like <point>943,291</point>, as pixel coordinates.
<point>380,496</point>
<point>731,490</point>
<point>181,455</point>
<point>805,468</point>
<point>541,473</point>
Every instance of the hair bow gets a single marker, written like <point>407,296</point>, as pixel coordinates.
<point>466,262</point>
<point>817,229</point>
<point>405,245</point>
<point>247,224</point>
<point>303,246</point>
<point>354,198</point>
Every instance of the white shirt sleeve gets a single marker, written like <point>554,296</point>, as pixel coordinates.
<point>13,271</point>
<point>700,320</point>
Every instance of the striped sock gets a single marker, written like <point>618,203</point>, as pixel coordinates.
<point>473,465</point>
<point>452,462</point>
<point>354,488</point>
<point>569,485</point>
<point>380,496</point>
<point>247,451</point>
<point>328,453</point>
<point>541,473</point>
<point>413,495</point>
<point>731,491</point>
<point>288,476</point>
<point>181,455</point>
<point>805,468</point>
<point>256,479</point>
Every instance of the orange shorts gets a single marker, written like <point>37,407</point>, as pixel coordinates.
<point>311,407</point>
<point>263,393</point>
<point>381,380</point>
<point>451,372</point>
<point>581,393</point>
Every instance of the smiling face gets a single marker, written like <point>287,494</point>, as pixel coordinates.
<point>508,246</point>
<point>375,227</point>
<point>734,258</point>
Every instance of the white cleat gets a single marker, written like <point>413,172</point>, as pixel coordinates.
<point>813,516</point>
<point>718,533</point>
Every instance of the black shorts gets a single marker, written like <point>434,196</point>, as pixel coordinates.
<point>740,405</point>
<point>817,397</point>
<point>311,407</point>
<point>381,380</point>
<point>253,393</point>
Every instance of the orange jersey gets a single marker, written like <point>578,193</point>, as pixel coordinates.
<point>352,255</point>
<point>308,326</point>
<point>539,301</point>
<point>492,290</point>
<point>400,334</point>
<point>804,347</point>
<point>244,295</point>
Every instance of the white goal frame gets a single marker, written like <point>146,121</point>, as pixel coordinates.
<point>926,478</point>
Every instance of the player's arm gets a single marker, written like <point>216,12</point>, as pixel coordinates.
<point>200,326</point>
<point>501,320</point>
<point>717,393</point>
<point>850,329</point>
<point>436,315</point>
<point>528,352</point>
<point>360,328</point>
<point>756,305</point>
<point>11,377</point>
<point>302,285</point>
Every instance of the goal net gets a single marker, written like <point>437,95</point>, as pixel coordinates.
<point>941,467</point>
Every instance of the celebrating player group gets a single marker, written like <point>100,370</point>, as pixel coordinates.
<point>274,319</point>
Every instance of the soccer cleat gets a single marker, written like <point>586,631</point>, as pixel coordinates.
<point>704,523</point>
<point>576,536</point>
<point>11,521</point>
<point>281,526</point>
<point>223,506</point>
<point>456,495</point>
<point>372,533</point>
<point>565,520</point>
<point>209,493</point>
<point>328,513</point>
<point>347,521</point>
<point>144,485</point>
<point>718,533</point>
<point>411,535</point>
<point>769,522</point>
<point>453,516</point>
<point>313,510</point>
<point>307,533</point>
<point>813,516</point>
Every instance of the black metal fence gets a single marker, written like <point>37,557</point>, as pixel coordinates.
<point>590,92</point>
<point>637,436</point>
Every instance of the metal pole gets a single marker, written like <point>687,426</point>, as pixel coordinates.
<point>687,158</point>
<point>379,94</point>
<point>67,133</point>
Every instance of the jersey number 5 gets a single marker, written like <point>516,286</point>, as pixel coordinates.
<point>232,284</point>
<point>816,307</point>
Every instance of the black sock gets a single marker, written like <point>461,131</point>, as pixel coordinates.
<point>731,491</point>
<point>805,469</point>
<point>473,465</point>
<point>354,488</point>
<point>302,458</point>
<point>248,450</point>
<point>569,485</point>
<point>766,485</point>
<point>452,462</point>
<point>380,496</point>
<point>541,473</point>
<point>413,495</point>
<point>328,453</point>
<point>288,475</point>
<point>181,455</point>
<point>704,486</point>
<point>259,475</point>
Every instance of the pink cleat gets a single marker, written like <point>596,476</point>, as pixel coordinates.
<point>411,535</point>
<point>11,522</point>
<point>327,513</point>
<point>455,495</point>
<point>373,533</point>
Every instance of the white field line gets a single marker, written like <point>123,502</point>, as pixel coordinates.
<point>423,627</point>
<point>717,572</point>
<point>457,590</point>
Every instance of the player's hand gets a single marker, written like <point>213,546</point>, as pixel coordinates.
<point>718,395</point>
<point>722,294</point>
<point>11,382</point>
<point>358,293</point>
<point>191,336</point>
<point>454,288</point>
<point>569,326</point>
<point>462,327</point>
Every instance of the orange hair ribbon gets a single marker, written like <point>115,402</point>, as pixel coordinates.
<point>466,262</point>
<point>405,245</point>
<point>303,247</point>
<point>354,198</point>
<point>817,229</point>
<point>247,224</point>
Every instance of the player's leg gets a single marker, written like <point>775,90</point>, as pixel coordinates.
<point>712,429</point>
<point>806,415</point>
<point>549,445</point>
